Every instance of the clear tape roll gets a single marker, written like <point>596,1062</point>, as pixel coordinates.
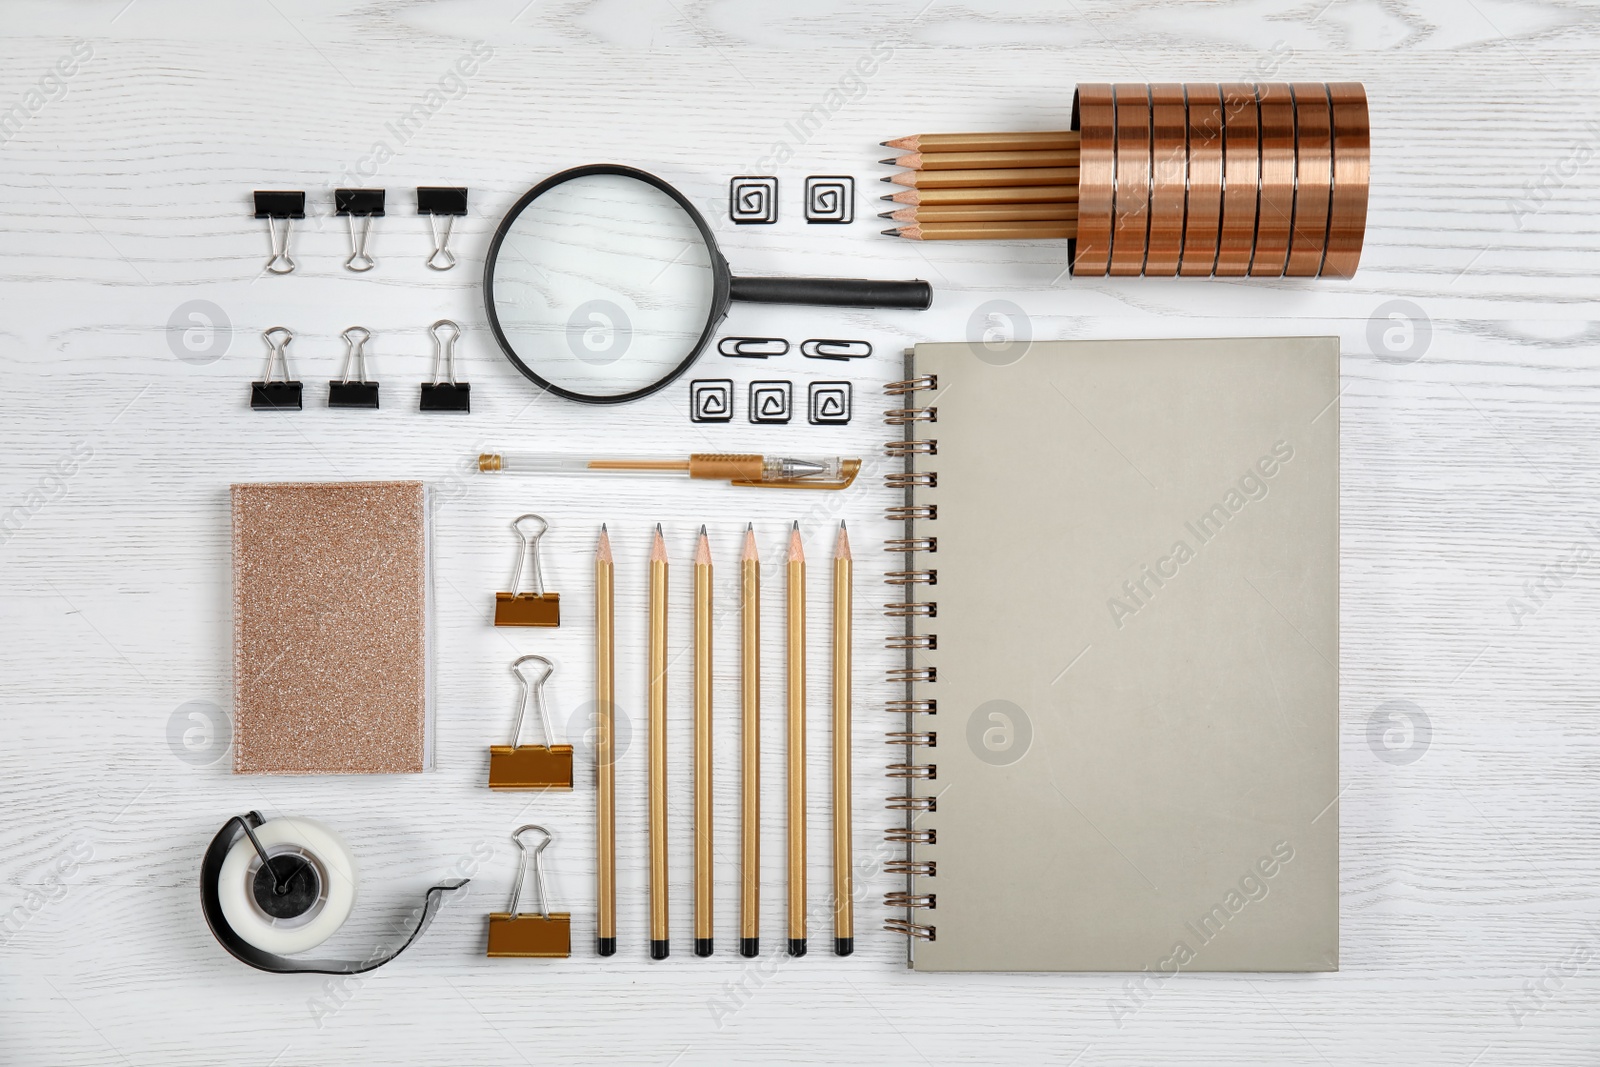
<point>335,870</point>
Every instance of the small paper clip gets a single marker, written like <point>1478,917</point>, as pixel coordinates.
<point>519,766</point>
<point>435,202</point>
<point>279,205</point>
<point>753,347</point>
<point>537,608</point>
<point>359,393</point>
<point>363,204</point>
<point>280,394</point>
<point>445,394</point>
<point>827,348</point>
<point>516,934</point>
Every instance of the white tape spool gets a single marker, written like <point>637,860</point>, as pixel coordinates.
<point>332,864</point>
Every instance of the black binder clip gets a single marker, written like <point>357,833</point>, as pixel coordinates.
<point>358,393</point>
<point>438,202</point>
<point>276,394</point>
<point>365,205</point>
<point>445,393</point>
<point>274,206</point>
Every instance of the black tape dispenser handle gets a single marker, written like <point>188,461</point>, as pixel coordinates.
<point>242,950</point>
<point>834,292</point>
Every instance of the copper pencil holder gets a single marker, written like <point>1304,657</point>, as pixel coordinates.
<point>1227,180</point>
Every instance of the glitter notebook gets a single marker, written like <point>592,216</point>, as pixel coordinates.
<point>331,645</point>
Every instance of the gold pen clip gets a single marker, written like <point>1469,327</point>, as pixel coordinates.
<point>519,766</point>
<point>537,608</point>
<point>545,935</point>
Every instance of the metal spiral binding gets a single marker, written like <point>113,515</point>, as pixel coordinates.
<point>906,584</point>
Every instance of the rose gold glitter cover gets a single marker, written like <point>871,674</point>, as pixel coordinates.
<point>330,628</point>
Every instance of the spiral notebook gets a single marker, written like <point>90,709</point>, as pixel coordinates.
<point>1121,686</point>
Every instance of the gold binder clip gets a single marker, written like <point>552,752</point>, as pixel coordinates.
<point>537,608</point>
<point>518,766</point>
<point>547,935</point>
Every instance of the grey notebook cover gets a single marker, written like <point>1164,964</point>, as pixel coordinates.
<point>1137,659</point>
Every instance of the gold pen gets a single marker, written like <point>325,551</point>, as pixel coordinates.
<point>843,893</point>
<point>658,748</point>
<point>604,753</point>
<point>750,767</point>
<point>776,472</point>
<point>704,878</point>
<point>797,744</point>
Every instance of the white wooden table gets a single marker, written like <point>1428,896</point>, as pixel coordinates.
<point>1471,493</point>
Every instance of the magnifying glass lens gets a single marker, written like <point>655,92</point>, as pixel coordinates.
<point>603,285</point>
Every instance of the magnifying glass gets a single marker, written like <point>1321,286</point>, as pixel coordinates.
<point>604,283</point>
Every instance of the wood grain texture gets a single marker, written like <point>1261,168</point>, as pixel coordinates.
<point>1471,510</point>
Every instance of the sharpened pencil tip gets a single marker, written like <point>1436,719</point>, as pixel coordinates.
<point>886,179</point>
<point>891,159</point>
<point>749,527</point>
<point>890,233</point>
<point>889,197</point>
<point>886,214</point>
<point>702,529</point>
<point>796,526</point>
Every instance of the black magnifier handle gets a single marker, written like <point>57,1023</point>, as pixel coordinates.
<point>834,292</point>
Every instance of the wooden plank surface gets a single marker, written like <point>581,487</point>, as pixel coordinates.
<point>1470,531</point>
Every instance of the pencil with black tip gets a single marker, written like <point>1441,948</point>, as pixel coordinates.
<point>1033,141</point>
<point>750,765</point>
<point>659,938</point>
<point>704,874</point>
<point>844,941</point>
<point>984,179</point>
<point>797,744</point>
<point>1010,194</point>
<point>986,231</point>
<point>985,213</point>
<point>604,750</point>
<point>984,160</point>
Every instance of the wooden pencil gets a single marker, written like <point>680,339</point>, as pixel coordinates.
<point>604,746</point>
<point>843,885</point>
<point>986,231</point>
<point>1066,157</point>
<point>1043,140</point>
<point>985,213</point>
<point>984,179</point>
<point>704,873</point>
<point>750,766</point>
<point>797,744</point>
<point>657,730</point>
<point>1012,194</point>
